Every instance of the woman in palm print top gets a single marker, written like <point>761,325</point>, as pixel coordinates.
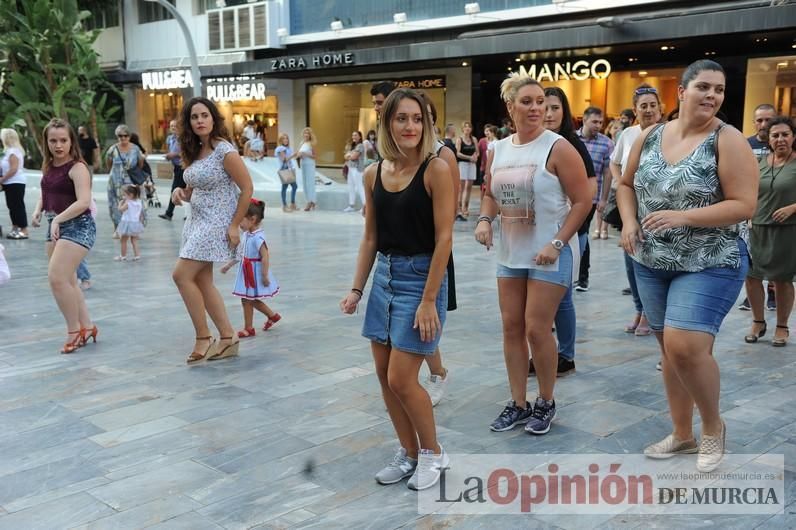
<point>681,204</point>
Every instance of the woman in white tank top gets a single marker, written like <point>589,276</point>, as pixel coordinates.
<point>533,180</point>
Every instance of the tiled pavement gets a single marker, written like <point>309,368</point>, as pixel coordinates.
<point>124,435</point>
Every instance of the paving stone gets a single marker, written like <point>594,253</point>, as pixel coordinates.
<point>123,434</point>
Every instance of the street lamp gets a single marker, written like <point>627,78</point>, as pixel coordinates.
<point>197,77</point>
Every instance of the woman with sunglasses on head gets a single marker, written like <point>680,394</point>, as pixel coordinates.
<point>772,237</point>
<point>647,106</point>
<point>71,232</point>
<point>687,187</point>
<point>219,189</point>
<point>120,157</point>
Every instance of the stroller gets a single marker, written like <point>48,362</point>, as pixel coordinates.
<point>152,199</point>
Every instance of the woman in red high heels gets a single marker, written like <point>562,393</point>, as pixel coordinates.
<point>65,200</point>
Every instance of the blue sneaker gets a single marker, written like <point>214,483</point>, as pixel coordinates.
<point>511,416</point>
<point>541,417</point>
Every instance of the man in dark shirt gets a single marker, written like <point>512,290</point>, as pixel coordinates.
<point>88,148</point>
<point>173,156</point>
<point>759,142</point>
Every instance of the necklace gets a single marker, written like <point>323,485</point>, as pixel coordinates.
<point>771,169</point>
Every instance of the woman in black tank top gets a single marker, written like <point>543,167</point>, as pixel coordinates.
<point>408,230</point>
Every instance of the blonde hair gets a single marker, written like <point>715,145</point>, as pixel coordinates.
<point>282,136</point>
<point>513,83</point>
<point>10,138</point>
<point>313,139</point>
<point>386,144</point>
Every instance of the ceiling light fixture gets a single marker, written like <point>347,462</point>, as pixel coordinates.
<point>642,73</point>
<point>465,63</point>
<point>336,25</point>
<point>472,8</point>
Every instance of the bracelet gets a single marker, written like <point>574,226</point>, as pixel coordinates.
<point>484,218</point>
<point>358,291</point>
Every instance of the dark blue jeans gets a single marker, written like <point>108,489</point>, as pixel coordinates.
<point>293,187</point>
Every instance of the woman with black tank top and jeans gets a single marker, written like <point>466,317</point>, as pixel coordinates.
<point>65,201</point>
<point>408,227</point>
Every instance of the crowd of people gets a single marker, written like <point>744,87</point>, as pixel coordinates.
<point>701,209</point>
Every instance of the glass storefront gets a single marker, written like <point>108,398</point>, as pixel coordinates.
<point>155,109</point>
<point>336,110</point>
<point>770,80</point>
<point>244,99</point>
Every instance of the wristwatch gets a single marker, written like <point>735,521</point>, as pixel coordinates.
<point>557,244</point>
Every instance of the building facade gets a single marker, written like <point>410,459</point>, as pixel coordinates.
<point>297,63</point>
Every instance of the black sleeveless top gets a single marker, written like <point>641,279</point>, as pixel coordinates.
<point>468,149</point>
<point>404,219</point>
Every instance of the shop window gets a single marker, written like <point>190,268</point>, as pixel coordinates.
<point>152,12</point>
<point>770,80</point>
<point>103,14</point>
<point>353,112</point>
<point>311,16</point>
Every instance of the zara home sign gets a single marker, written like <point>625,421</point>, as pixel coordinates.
<point>578,70</point>
<point>166,80</point>
<point>314,61</point>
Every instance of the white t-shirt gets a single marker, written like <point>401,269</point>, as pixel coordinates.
<point>532,203</point>
<point>5,165</point>
<point>622,150</point>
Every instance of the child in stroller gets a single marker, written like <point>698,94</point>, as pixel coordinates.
<point>152,199</point>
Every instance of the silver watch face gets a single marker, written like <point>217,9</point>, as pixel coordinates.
<point>558,244</point>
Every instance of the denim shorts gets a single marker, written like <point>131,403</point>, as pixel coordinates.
<point>563,276</point>
<point>693,301</point>
<point>395,295</point>
<point>81,230</point>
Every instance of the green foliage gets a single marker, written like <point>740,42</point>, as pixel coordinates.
<point>49,69</point>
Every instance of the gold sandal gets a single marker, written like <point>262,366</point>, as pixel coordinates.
<point>230,350</point>
<point>780,342</point>
<point>196,356</point>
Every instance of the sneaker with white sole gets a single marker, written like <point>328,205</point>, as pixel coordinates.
<point>511,416</point>
<point>429,469</point>
<point>401,467</point>
<point>349,209</point>
<point>542,416</point>
<point>669,447</point>
<point>436,387</point>
<point>711,451</point>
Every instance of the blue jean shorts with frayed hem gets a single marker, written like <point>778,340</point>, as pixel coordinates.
<point>691,301</point>
<point>395,295</point>
<point>563,276</point>
<point>81,230</point>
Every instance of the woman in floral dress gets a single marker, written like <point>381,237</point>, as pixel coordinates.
<point>219,189</point>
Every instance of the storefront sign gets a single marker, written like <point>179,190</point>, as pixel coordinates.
<point>238,90</point>
<point>578,70</point>
<point>421,82</point>
<point>314,61</point>
<point>167,79</point>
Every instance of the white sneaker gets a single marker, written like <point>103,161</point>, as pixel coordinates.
<point>429,469</point>
<point>436,387</point>
<point>401,467</point>
<point>349,209</point>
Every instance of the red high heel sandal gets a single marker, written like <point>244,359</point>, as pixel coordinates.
<point>74,344</point>
<point>86,334</point>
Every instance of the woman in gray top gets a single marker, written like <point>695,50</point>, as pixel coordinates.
<point>682,206</point>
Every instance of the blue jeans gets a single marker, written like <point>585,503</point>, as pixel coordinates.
<point>631,278</point>
<point>82,271</point>
<point>293,187</point>
<point>693,301</point>
<point>566,319</point>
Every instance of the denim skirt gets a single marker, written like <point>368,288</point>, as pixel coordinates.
<point>81,230</point>
<point>395,295</point>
